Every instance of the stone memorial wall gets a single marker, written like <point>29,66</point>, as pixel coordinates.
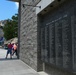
<point>58,35</point>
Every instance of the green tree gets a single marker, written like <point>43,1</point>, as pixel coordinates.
<point>11,28</point>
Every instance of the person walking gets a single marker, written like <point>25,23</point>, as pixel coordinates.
<point>9,51</point>
<point>14,49</point>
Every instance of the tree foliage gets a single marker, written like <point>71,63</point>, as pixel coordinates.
<point>11,28</point>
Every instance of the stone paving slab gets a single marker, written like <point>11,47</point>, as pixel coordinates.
<point>14,66</point>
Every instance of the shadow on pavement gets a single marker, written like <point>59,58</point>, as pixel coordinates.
<point>4,59</point>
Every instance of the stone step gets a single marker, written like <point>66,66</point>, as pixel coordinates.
<point>42,73</point>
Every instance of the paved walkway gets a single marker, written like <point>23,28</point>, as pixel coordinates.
<point>15,66</point>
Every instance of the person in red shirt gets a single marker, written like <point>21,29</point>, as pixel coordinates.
<point>9,51</point>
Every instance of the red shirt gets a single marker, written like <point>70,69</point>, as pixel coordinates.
<point>10,46</point>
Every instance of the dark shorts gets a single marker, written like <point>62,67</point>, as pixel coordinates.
<point>9,51</point>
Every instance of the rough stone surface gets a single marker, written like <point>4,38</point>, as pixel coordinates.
<point>28,33</point>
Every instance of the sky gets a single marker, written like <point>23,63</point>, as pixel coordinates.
<point>7,9</point>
